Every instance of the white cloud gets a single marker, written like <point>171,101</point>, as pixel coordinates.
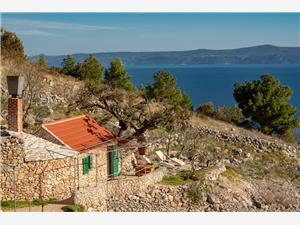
<point>34,33</point>
<point>54,25</point>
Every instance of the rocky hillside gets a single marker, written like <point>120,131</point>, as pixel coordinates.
<point>52,92</point>
<point>246,173</point>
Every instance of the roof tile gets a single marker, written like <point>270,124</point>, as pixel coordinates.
<point>80,132</point>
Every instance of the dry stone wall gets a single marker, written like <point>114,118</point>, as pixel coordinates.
<point>96,199</point>
<point>35,179</point>
<point>256,142</point>
<point>155,198</point>
<point>93,199</point>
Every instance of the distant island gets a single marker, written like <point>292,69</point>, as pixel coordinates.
<point>263,54</point>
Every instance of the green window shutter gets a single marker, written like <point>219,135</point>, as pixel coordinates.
<point>115,164</point>
<point>85,165</point>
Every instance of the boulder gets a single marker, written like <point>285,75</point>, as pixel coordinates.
<point>212,199</point>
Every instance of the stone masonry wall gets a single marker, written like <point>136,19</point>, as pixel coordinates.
<point>95,199</point>
<point>98,173</point>
<point>36,179</point>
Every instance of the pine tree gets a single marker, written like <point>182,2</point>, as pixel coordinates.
<point>68,65</point>
<point>117,76</point>
<point>164,88</point>
<point>265,103</point>
<point>11,46</point>
<point>90,69</point>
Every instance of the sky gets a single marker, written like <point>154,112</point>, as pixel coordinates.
<point>69,33</point>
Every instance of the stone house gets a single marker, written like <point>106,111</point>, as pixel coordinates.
<point>63,157</point>
<point>85,136</point>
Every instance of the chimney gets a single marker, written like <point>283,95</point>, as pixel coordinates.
<point>15,103</point>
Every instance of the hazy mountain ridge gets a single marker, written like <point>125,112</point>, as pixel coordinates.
<point>263,54</point>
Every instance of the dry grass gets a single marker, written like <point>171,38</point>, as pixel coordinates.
<point>10,68</point>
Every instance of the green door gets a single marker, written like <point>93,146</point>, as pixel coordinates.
<point>113,161</point>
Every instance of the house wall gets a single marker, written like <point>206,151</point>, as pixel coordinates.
<point>98,173</point>
<point>35,179</point>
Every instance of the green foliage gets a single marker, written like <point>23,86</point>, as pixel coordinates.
<point>184,177</point>
<point>231,114</point>
<point>164,87</point>
<point>181,177</point>
<point>9,204</point>
<point>90,69</point>
<point>135,113</point>
<point>195,194</point>
<point>265,103</point>
<point>68,65</point>
<point>230,173</point>
<point>11,46</point>
<point>117,76</point>
<point>73,208</point>
<point>197,191</point>
<point>42,62</point>
<point>194,146</point>
<point>41,111</point>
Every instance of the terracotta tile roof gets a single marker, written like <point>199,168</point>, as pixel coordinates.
<point>80,132</point>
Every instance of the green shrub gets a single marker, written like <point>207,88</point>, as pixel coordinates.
<point>173,180</point>
<point>198,191</point>
<point>207,109</point>
<point>230,173</point>
<point>73,208</point>
<point>230,114</point>
<point>41,111</point>
<point>194,193</point>
<point>180,178</point>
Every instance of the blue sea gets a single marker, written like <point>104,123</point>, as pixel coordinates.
<point>204,83</point>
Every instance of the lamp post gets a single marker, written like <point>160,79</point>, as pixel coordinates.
<point>15,85</point>
<point>15,103</point>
